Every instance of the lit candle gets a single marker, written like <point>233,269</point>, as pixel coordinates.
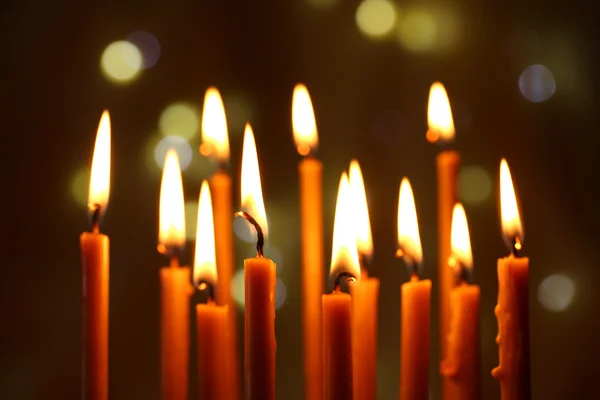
<point>415,302</point>
<point>259,283</point>
<point>95,271</point>
<point>512,310</point>
<point>365,293</point>
<point>175,284</point>
<point>215,143</point>
<point>311,217</point>
<point>337,328</point>
<point>211,319</point>
<point>461,365</point>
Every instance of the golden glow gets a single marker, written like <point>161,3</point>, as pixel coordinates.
<point>409,240</point>
<point>509,208</point>
<point>205,261</point>
<point>179,119</point>
<point>418,30</point>
<point>121,62</point>
<point>376,18</point>
<point>100,174</point>
<point>303,121</point>
<point>344,256</point>
<point>214,127</point>
<point>252,198</point>
<point>460,238</point>
<point>171,225</point>
<point>439,115</point>
<point>358,197</point>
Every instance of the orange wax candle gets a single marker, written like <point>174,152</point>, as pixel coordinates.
<point>95,272</point>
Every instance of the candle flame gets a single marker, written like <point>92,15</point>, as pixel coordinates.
<point>171,227</point>
<point>460,238</point>
<point>100,176</point>
<point>439,115</point>
<point>303,121</point>
<point>362,225</point>
<point>409,240</point>
<point>214,126</point>
<point>344,255</point>
<point>205,261</point>
<point>509,208</point>
<point>252,198</point>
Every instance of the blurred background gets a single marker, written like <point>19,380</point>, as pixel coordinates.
<point>520,77</point>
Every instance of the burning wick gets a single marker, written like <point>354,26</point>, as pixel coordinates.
<point>517,246</point>
<point>260,243</point>
<point>336,283</point>
<point>413,267</point>
<point>95,209</point>
<point>206,287</point>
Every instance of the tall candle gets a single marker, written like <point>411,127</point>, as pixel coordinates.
<point>311,218</point>
<point>259,283</point>
<point>461,365</point>
<point>512,310</point>
<point>415,304</point>
<point>175,284</point>
<point>95,272</point>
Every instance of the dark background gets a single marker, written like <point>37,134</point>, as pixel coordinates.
<point>370,100</point>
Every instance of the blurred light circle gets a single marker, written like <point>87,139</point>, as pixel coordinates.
<point>417,30</point>
<point>121,62</point>
<point>322,3</point>
<point>181,146</point>
<point>80,186</point>
<point>243,230</point>
<point>280,293</point>
<point>191,219</point>
<point>148,45</point>
<point>556,292</point>
<point>238,290</point>
<point>179,119</point>
<point>537,83</point>
<point>474,184</point>
<point>376,18</point>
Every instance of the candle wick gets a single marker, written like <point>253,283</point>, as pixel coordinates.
<point>205,286</point>
<point>516,247</point>
<point>94,209</point>
<point>260,243</point>
<point>336,283</point>
<point>411,265</point>
<point>174,261</point>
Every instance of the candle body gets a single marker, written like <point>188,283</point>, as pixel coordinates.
<point>223,216</point>
<point>512,312</point>
<point>95,269</point>
<point>365,296</point>
<point>337,347</point>
<point>259,319</point>
<point>212,335</point>
<point>414,342</point>
<point>461,365</point>
<point>175,305</point>
<point>311,213</point>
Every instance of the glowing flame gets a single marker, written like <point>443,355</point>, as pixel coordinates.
<point>303,121</point>
<point>460,238</point>
<point>509,208</point>
<point>205,262</point>
<point>214,127</point>
<point>252,198</point>
<point>439,115</point>
<point>100,176</point>
<point>409,240</point>
<point>358,197</point>
<point>344,256</point>
<point>171,225</point>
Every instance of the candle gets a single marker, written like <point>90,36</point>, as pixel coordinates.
<point>364,295</point>
<point>441,129</point>
<point>415,301</point>
<point>337,336</point>
<point>311,218</point>
<point>259,283</point>
<point>215,143</point>
<point>461,365</point>
<point>95,272</point>
<point>211,319</point>
<point>512,310</point>
<point>175,284</point>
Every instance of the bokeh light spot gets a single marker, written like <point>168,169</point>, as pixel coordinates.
<point>322,3</point>
<point>376,18</point>
<point>474,184</point>
<point>148,45</point>
<point>556,292</point>
<point>121,62</point>
<point>179,119</point>
<point>80,186</point>
<point>183,149</point>
<point>191,219</point>
<point>243,230</point>
<point>238,290</point>
<point>417,30</point>
<point>537,83</point>
<point>280,293</point>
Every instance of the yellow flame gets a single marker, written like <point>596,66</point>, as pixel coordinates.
<point>358,197</point>
<point>460,238</point>
<point>171,226</point>
<point>100,176</point>
<point>344,256</point>
<point>439,115</point>
<point>509,208</point>
<point>214,127</point>
<point>252,198</point>
<point>303,121</point>
<point>409,239</point>
<point>205,261</point>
